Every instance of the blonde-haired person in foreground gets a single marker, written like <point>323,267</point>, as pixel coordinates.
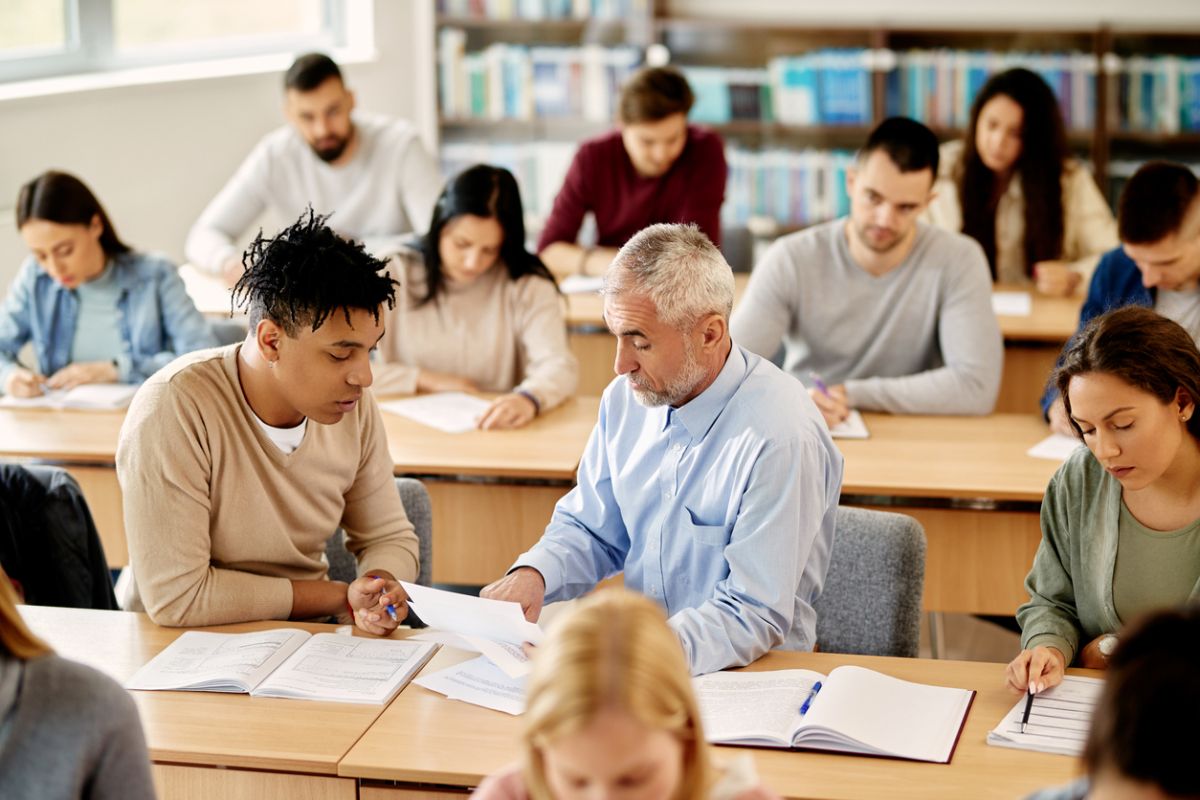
<point>66,731</point>
<point>611,714</point>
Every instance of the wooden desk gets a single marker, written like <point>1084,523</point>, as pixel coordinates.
<point>1031,347</point>
<point>1031,344</point>
<point>493,492</point>
<point>85,443</point>
<point>452,745</point>
<point>969,482</point>
<point>208,744</point>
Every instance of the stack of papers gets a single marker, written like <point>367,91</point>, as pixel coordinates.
<point>581,284</point>
<point>452,412</point>
<point>852,427</point>
<point>1012,304</point>
<point>88,397</point>
<point>1054,447</point>
<point>494,628</point>
<point>1059,721</point>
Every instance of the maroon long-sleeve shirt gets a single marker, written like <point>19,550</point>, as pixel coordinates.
<point>603,180</point>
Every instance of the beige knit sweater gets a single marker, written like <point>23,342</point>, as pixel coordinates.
<point>219,520</point>
<point>499,333</point>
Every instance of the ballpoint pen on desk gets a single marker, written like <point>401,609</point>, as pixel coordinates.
<point>1028,708</point>
<point>808,700</point>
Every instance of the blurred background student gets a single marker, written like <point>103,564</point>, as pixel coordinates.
<point>476,311</point>
<point>1121,519</point>
<point>67,732</point>
<point>1012,185</point>
<point>1138,747</point>
<point>610,713</point>
<point>95,310</point>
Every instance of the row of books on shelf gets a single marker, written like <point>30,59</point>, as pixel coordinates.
<point>524,83</point>
<point>541,9</point>
<point>792,187</point>
<point>1159,95</point>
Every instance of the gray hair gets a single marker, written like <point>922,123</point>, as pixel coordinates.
<point>678,269</point>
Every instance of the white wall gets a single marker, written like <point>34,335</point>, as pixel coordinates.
<point>156,154</point>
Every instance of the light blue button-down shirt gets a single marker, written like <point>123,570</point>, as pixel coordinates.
<point>722,511</point>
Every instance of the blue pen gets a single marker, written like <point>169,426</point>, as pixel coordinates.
<point>391,609</point>
<point>808,701</point>
<point>820,384</point>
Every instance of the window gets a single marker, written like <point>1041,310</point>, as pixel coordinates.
<point>47,38</point>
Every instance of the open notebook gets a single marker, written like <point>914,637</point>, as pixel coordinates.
<point>854,710</point>
<point>286,663</point>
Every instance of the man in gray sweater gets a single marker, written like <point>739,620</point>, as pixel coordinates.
<point>878,311</point>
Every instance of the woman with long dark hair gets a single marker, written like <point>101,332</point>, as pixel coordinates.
<point>95,310</point>
<point>1121,518</point>
<point>476,310</point>
<point>1013,186</point>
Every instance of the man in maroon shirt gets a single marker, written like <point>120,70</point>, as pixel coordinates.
<point>653,168</point>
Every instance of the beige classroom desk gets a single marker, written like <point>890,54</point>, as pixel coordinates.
<point>207,744</point>
<point>1031,344</point>
<point>492,491</point>
<point>85,443</point>
<point>969,482</point>
<point>426,746</point>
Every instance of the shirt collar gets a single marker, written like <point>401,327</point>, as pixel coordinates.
<point>699,414</point>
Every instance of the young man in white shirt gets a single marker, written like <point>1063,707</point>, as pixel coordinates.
<point>370,174</point>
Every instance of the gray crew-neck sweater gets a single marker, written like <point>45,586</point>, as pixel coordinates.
<point>70,733</point>
<point>920,339</point>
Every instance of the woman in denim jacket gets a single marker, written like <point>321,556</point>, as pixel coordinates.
<point>94,310</point>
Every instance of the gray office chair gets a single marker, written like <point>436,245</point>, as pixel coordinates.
<point>343,567</point>
<point>871,603</point>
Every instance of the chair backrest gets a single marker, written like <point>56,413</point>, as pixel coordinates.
<point>871,601</point>
<point>343,567</point>
<point>48,540</point>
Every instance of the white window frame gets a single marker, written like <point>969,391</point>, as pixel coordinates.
<point>90,48</point>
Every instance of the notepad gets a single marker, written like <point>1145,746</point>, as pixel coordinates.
<point>857,710</point>
<point>1012,304</point>
<point>452,412</point>
<point>1058,722</point>
<point>286,663</point>
<point>1054,447</point>
<point>852,427</point>
<point>495,628</point>
<point>88,397</point>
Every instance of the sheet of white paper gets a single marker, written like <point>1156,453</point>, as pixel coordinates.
<point>1058,722</point>
<point>452,412</point>
<point>201,659</point>
<point>469,616</point>
<point>89,397</point>
<point>479,682</point>
<point>581,284</point>
<point>1012,304</point>
<point>852,427</point>
<point>1054,447</point>
<point>509,657</point>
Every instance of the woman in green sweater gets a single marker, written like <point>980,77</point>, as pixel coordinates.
<point>1120,520</point>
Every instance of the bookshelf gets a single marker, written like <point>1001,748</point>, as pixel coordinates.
<point>1127,94</point>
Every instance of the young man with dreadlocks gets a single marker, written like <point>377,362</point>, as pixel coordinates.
<point>236,464</point>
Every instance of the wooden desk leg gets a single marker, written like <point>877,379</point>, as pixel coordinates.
<point>174,782</point>
<point>596,353</point>
<point>480,528</point>
<point>976,561</point>
<point>1027,366</point>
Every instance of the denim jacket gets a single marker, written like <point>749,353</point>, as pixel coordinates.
<point>155,315</point>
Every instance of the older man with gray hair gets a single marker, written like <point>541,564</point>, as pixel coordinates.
<point>700,481</point>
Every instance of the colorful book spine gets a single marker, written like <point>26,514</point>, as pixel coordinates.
<point>534,10</point>
<point>792,187</point>
<point>1156,94</point>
